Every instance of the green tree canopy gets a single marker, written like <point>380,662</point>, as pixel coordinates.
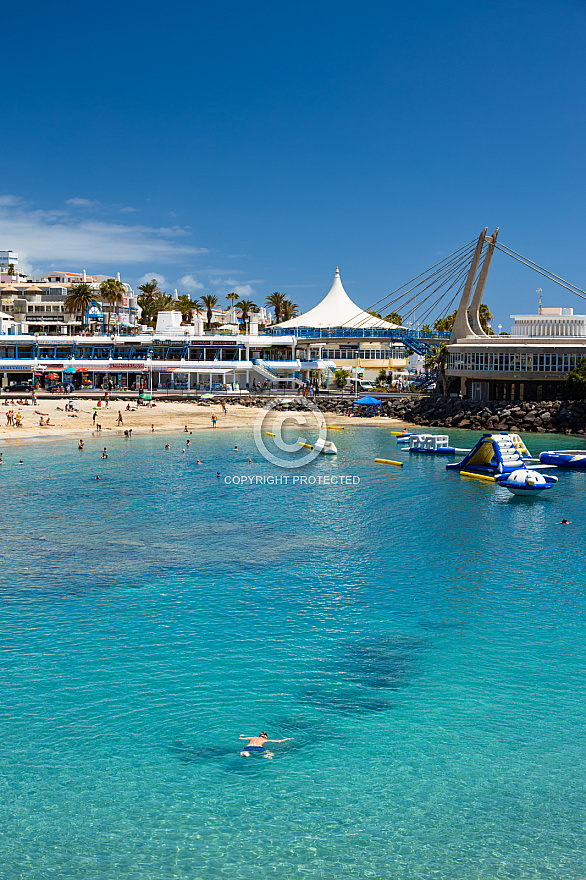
<point>210,301</point>
<point>112,292</point>
<point>246,306</point>
<point>276,300</point>
<point>576,381</point>
<point>78,299</point>
<point>290,309</point>
<point>394,318</point>
<point>436,359</point>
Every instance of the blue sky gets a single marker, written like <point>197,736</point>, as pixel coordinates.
<point>254,147</point>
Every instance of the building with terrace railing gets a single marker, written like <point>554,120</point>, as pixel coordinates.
<point>174,359</point>
<point>530,364</point>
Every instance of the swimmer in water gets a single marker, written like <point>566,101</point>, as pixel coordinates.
<point>97,478</point>
<point>198,461</point>
<point>167,446</point>
<point>189,442</point>
<point>256,745</point>
<point>218,474</point>
<point>235,449</point>
<point>80,444</point>
<point>564,522</point>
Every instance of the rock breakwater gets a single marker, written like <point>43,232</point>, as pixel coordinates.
<point>556,416</point>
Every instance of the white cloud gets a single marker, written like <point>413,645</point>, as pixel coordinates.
<point>53,237</point>
<point>82,203</point>
<point>243,290</point>
<point>188,282</point>
<point>128,210</point>
<point>148,276</point>
<point>9,201</point>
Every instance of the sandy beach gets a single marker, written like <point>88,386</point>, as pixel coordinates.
<point>164,417</point>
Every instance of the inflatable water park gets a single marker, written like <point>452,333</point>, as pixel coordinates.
<point>565,458</point>
<point>498,453</point>
<point>503,457</point>
<point>428,444</point>
<point>498,457</point>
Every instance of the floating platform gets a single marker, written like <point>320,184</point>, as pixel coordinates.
<point>324,446</point>
<point>525,482</point>
<point>564,458</point>
<point>432,444</point>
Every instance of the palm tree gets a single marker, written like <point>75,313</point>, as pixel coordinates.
<point>150,288</point>
<point>246,306</point>
<point>150,292</point>
<point>485,316</point>
<point>436,359</point>
<point>232,296</point>
<point>276,300</point>
<point>79,298</point>
<point>197,306</point>
<point>445,323</point>
<point>209,302</point>
<point>290,309</point>
<point>394,318</point>
<point>11,270</point>
<point>112,292</point>
<point>185,304</point>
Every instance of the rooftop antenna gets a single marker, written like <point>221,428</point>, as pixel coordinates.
<point>539,291</point>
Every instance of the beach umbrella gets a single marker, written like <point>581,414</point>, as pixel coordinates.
<point>70,370</point>
<point>81,370</point>
<point>52,375</point>
<point>207,396</point>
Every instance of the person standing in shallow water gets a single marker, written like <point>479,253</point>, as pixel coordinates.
<point>214,420</point>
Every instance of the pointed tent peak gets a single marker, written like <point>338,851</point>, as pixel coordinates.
<point>337,310</point>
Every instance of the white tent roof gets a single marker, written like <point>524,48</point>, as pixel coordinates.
<point>337,310</point>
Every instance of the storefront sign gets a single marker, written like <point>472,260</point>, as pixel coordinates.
<point>216,343</point>
<point>123,367</point>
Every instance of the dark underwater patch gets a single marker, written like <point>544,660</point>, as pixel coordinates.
<point>349,684</point>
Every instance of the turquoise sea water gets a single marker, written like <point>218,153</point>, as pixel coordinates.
<point>420,636</point>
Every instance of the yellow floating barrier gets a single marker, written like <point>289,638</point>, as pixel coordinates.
<point>335,428</point>
<point>400,433</point>
<point>307,445</point>
<point>269,433</point>
<point>389,461</point>
<point>478,476</point>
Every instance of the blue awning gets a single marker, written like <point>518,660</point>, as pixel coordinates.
<point>367,401</point>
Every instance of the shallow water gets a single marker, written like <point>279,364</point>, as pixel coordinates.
<point>420,637</point>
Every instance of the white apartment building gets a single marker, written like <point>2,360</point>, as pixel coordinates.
<point>37,302</point>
